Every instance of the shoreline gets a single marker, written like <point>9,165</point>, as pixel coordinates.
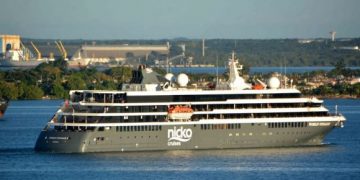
<point>305,95</point>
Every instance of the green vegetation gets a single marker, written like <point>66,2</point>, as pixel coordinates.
<point>54,80</point>
<point>275,52</point>
<point>335,83</point>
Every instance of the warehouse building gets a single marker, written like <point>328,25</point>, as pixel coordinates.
<point>107,53</point>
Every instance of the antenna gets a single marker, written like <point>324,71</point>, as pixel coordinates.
<point>332,34</point>
<point>203,47</point>
<point>285,77</point>
<point>217,68</point>
<point>285,66</point>
<point>336,109</point>
<point>167,64</point>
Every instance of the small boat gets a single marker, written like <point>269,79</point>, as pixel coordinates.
<point>3,106</point>
<point>180,112</point>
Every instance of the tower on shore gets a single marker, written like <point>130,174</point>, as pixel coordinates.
<point>203,47</point>
<point>332,34</point>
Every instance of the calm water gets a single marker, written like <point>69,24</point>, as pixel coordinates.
<point>340,159</point>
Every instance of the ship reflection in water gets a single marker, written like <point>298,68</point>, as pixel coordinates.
<point>267,160</point>
<point>232,153</point>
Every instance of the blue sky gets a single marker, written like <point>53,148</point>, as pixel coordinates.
<point>158,19</point>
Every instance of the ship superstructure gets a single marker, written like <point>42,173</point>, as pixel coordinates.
<point>151,113</point>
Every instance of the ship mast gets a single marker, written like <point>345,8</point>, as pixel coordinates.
<point>235,81</point>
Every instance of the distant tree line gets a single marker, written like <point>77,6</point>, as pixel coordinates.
<point>340,88</point>
<point>278,52</point>
<point>54,80</point>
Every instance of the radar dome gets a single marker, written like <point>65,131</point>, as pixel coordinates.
<point>274,83</point>
<point>182,79</point>
<point>169,77</point>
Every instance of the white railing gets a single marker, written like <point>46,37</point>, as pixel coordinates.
<point>337,119</point>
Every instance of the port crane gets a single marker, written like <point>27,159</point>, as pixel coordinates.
<point>38,53</point>
<point>27,53</point>
<point>62,49</point>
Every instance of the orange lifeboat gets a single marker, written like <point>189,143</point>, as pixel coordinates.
<point>180,112</point>
<point>258,87</point>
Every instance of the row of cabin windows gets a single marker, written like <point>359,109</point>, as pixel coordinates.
<point>219,126</point>
<point>74,128</point>
<point>252,106</point>
<point>259,115</point>
<point>98,97</point>
<point>120,98</point>
<point>210,107</point>
<point>223,97</point>
<point>138,128</point>
<point>288,125</point>
<point>196,117</point>
<point>118,128</point>
<point>110,119</point>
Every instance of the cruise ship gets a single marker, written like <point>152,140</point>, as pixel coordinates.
<point>154,112</point>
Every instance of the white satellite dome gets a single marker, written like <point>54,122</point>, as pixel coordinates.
<point>170,77</point>
<point>274,83</point>
<point>182,79</point>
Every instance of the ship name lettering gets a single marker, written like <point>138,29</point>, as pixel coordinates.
<point>178,135</point>
<point>320,124</point>
<point>59,138</point>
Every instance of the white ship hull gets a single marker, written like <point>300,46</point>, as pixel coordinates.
<point>11,63</point>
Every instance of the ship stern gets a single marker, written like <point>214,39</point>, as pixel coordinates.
<point>61,141</point>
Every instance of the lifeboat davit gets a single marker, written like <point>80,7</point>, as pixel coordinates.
<point>180,112</point>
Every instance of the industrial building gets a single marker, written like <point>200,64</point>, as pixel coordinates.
<point>107,53</point>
